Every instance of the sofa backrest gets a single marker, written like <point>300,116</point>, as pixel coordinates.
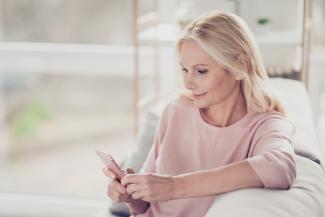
<point>294,96</point>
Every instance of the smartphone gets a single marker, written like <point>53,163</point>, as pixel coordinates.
<point>111,164</point>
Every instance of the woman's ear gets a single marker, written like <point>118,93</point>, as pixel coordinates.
<point>243,60</point>
<point>238,76</point>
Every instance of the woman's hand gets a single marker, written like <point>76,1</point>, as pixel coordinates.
<point>150,187</point>
<point>115,190</point>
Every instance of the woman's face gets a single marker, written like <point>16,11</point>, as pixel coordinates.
<point>209,83</point>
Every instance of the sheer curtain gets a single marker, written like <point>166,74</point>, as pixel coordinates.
<point>317,92</point>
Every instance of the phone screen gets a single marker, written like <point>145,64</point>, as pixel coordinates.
<point>111,164</point>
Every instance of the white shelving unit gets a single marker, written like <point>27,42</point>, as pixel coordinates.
<point>280,38</point>
<point>293,42</point>
<point>288,37</point>
<point>142,23</point>
<point>166,34</point>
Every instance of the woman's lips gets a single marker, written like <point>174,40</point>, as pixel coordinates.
<point>198,95</point>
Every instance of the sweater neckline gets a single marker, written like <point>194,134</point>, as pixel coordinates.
<point>233,125</point>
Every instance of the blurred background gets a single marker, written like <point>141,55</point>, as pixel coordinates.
<point>72,74</point>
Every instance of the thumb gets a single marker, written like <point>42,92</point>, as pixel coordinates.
<point>130,171</point>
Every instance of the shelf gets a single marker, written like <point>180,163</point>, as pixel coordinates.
<point>279,37</point>
<point>168,34</point>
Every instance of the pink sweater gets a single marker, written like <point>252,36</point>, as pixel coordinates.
<point>185,143</point>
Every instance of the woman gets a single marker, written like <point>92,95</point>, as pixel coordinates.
<point>227,132</point>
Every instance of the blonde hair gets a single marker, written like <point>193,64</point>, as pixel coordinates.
<point>229,41</point>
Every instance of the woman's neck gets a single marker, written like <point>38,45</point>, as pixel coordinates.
<point>228,112</point>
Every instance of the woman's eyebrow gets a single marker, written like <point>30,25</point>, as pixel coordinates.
<point>181,64</point>
<point>197,65</point>
<point>194,66</point>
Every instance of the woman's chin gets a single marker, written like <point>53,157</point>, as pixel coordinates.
<point>200,105</point>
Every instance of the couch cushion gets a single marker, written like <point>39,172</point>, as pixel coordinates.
<point>293,95</point>
<point>305,198</point>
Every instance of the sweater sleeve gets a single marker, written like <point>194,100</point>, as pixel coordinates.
<point>272,153</point>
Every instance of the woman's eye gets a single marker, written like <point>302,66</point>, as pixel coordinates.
<point>202,71</point>
<point>184,70</point>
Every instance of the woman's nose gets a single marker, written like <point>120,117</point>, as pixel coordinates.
<point>189,84</point>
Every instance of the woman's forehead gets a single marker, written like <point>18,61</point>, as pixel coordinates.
<point>192,54</point>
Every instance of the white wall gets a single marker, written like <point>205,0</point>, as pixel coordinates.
<point>168,8</point>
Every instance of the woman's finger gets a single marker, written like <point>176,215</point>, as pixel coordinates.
<point>131,188</point>
<point>125,198</point>
<point>115,196</point>
<point>116,186</point>
<point>109,173</point>
<point>118,197</point>
<point>130,171</point>
<point>139,195</point>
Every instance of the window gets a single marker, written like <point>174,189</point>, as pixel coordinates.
<point>66,89</point>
